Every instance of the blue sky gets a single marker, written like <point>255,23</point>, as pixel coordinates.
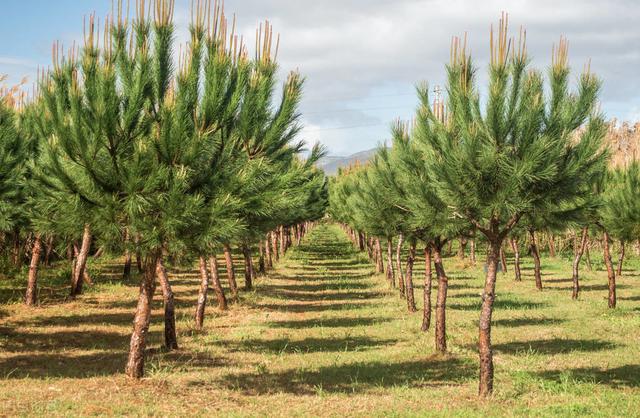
<point>361,58</point>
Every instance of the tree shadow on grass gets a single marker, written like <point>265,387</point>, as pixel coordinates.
<point>319,287</point>
<point>307,345</point>
<point>317,296</point>
<point>329,323</point>
<point>554,346</point>
<point>627,375</point>
<point>307,307</point>
<point>521,322</point>
<point>499,304</point>
<point>354,378</point>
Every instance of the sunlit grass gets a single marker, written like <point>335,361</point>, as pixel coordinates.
<point>322,335</point>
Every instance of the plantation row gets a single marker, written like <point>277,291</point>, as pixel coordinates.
<point>492,171</point>
<point>120,153</point>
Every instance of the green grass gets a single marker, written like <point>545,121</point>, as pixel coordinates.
<point>322,335</point>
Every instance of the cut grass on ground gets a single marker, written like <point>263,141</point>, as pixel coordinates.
<point>322,335</point>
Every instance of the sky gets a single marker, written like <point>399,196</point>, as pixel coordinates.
<point>362,59</point>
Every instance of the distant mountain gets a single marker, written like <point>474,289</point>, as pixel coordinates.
<point>331,163</point>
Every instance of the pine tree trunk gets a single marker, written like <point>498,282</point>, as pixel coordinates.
<point>621,259</point>
<point>552,246</point>
<point>261,263</point>
<point>361,241</point>
<point>516,258</point>
<point>389,267</point>
<point>576,263</point>
<point>274,243</point>
<point>126,271</point>
<point>379,262</point>
<point>503,260</point>
<point>202,293</point>
<point>170,337</point>
<point>216,284</point>
<point>484,340</point>
<point>267,249</point>
<point>81,262</point>
<point>536,260</point>
<point>462,248</point>
<point>399,265</point>
<point>283,241</point>
<point>587,254</point>
<point>441,300</point>
<point>472,254</point>
<point>48,251</point>
<point>231,273</point>
<point>248,268</point>
<point>426,312</point>
<point>31,297</point>
<point>135,362</point>
<point>16,252</point>
<point>411,303</point>
<point>611,274</point>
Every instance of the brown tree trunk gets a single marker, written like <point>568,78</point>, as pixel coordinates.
<point>231,273</point>
<point>217,285</point>
<point>267,249</point>
<point>411,303</point>
<point>202,293</point>
<point>426,312</point>
<point>361,241</point>
<point>441,300</point>
<point>31,298</point>
<point>484,337</point>
<point>503,260</point>
<point>170,337</point>
<point>389,267</point>
<point>399,265</point>
<point>16,252</point>
<point>611,274</point>
<point>248,268</point>
<point>274,243</point>
<point>261,264</point>
<point>81,262</point>
<point>621,259</point>
<point>536,260</point>
<point>48,251</point>
<point>126,271</point>
<point>516,258</point>
<point>462,248</point>
<point>576,262</point>
<point>552,246</point>
<point>472,254</point>
<point>135,362</point>
<point>283,241</point>
<point>587,254</point>
<point>379,262</point>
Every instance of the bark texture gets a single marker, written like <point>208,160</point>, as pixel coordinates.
<point>576,263</point>
<point>441,300</point>
<point>31,297</point>
<point>170,337</point>
<point>81,262</point>
<point>231,273</point>
<point>611,274</point>
<point>137,346</point>
<point>486,312</point>
<point>202,293</point>
<point>426,312</point>
<point>411,302</point>
<point>536,260</point>
<point>216,284</point>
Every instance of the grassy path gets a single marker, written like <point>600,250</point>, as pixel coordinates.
<point>322,335</point>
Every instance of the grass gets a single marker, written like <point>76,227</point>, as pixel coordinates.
<point>322,335</point>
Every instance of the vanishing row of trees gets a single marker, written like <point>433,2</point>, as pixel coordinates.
<point>124,151</point>
<point>527,158</point>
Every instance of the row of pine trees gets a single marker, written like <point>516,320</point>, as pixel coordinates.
<point>125,150</point>
<point>527,159</point>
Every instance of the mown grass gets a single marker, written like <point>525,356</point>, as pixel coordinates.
<point>322,335</point>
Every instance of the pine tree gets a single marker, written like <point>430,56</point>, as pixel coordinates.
<point>518,156</point>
